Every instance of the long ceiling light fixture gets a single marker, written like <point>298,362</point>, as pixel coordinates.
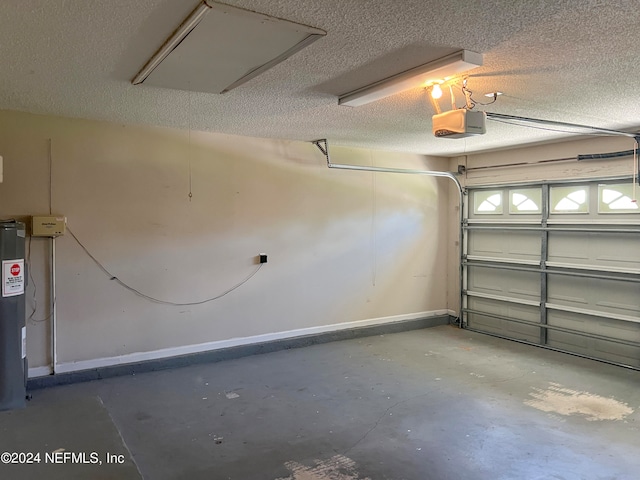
<point>438,70</point>
<point>172,42</point>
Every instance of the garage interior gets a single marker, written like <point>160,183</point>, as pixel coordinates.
<point>281,260</point>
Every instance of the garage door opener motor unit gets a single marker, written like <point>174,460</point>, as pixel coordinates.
<point>459,123</point>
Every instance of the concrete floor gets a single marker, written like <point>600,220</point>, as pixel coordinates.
<point>438,403</point>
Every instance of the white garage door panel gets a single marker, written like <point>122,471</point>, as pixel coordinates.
<point>505,309</point>
<point>518,331</point>
<point>568,341</point>
<point>567,247</point>
<point>615,250</point>
<point>495,244</point>
<point>523,331</point>
<point>591,347</point>
<point>605,296</point>
<point>615,352</point>
<point>606,327</point>
<point>519,285</point>
<point>487,324</point>
<point>568,279</point>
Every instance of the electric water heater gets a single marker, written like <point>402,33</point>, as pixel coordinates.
<point>13,342</point>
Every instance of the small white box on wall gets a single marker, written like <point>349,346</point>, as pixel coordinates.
<point>48,226</point>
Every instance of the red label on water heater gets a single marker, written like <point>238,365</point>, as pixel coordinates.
<point>12,277</point>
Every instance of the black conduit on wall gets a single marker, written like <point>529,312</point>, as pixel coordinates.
<point>604,156</point>
<point>610,155</point>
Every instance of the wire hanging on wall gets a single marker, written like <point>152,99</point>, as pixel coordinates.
<point>50,158</point>
<point>34,299</point>
<point>154,299</point>
<point>374,230</point>
<point>634,199</point>
<point>189,149</point>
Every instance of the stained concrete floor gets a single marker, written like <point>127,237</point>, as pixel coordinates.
<point>438,403</point>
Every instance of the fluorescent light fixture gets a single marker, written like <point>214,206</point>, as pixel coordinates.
<point>437,70</point>
<point>174,40</point>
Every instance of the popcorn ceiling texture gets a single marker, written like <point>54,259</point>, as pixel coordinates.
<point>573,61</point>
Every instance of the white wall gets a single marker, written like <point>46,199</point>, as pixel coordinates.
<point>343,246</point>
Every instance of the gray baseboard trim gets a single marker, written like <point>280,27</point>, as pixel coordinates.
<point>231,353</point>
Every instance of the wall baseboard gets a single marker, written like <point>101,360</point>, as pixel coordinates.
<point>40,371</point>
<point>87,370</point>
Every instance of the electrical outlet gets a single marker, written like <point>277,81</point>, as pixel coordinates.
<point>263,258</point>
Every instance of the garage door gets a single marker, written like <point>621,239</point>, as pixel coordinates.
<point>556,265</point>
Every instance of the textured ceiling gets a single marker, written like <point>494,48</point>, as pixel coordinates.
<point>567,60</point>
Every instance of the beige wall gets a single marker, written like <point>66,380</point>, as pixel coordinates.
<point>537,166</point>
<point>343,246</point>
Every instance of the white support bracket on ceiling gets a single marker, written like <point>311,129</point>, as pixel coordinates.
<point>323,146</point>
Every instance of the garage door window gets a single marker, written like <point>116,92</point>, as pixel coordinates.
<point>616,199</point>
<point>569,200</point>
<point>487,202</point>
<point>525,201</point>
